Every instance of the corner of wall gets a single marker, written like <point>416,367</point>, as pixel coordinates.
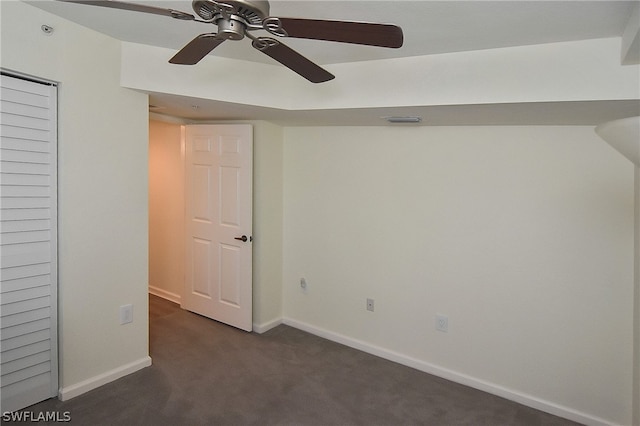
<point>267,221</point>
<point>77,389</point>
<point>99,268</point>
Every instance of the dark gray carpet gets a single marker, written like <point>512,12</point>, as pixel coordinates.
<point>207,373</point>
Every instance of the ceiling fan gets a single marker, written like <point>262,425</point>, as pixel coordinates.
<point>236,19</point>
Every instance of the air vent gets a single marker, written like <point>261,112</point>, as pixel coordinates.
<point>403,119</point>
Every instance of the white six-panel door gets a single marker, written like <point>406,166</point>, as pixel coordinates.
<point>218,275</point>
<point>28,261</point>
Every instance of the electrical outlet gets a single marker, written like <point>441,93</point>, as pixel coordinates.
<point>126,314</point>
<point>370,305</point>
<point>442,323</point>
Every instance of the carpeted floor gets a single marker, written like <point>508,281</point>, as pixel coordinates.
<point>206,373</point>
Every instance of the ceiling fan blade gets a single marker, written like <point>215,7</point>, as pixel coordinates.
<point>292,60</point>
<point>196,49</point>
<point>136,7</point>
<point>382,35</point>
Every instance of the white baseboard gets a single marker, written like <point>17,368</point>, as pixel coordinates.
<point>492,388</point>
<point>72,391</point>
<point>264,327</point>
<point>172,297</point>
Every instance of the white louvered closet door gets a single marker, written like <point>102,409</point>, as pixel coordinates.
<point>28,244</point>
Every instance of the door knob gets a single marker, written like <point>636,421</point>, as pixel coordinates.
<point>243,238</point>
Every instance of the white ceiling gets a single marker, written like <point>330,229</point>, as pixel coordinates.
<point>430,27</point>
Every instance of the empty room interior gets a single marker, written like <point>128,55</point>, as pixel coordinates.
<point>461,204</point>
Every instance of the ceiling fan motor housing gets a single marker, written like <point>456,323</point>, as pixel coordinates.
<point>252,12</point>
<point>233,17</point>
<point>230,29</point>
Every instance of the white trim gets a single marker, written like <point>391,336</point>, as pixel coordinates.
<point>55,251</point>
<point>492,388</point>
<point>17,74</point>
<point>172,297</point>
<point>155,116</point>
<point>72,391</point>
<point>635,418</point>
<point>264,327</point>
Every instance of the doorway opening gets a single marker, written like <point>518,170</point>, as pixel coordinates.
<point>200,218</point>
<point>166,210</point>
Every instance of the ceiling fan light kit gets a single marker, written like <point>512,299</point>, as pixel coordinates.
<point>235,20</point>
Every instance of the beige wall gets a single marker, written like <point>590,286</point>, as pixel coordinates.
<point>522,236</point>
<point>583,70</point>
<point>166,210</point>
<point>102,188</point>
<point>267,224</point>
